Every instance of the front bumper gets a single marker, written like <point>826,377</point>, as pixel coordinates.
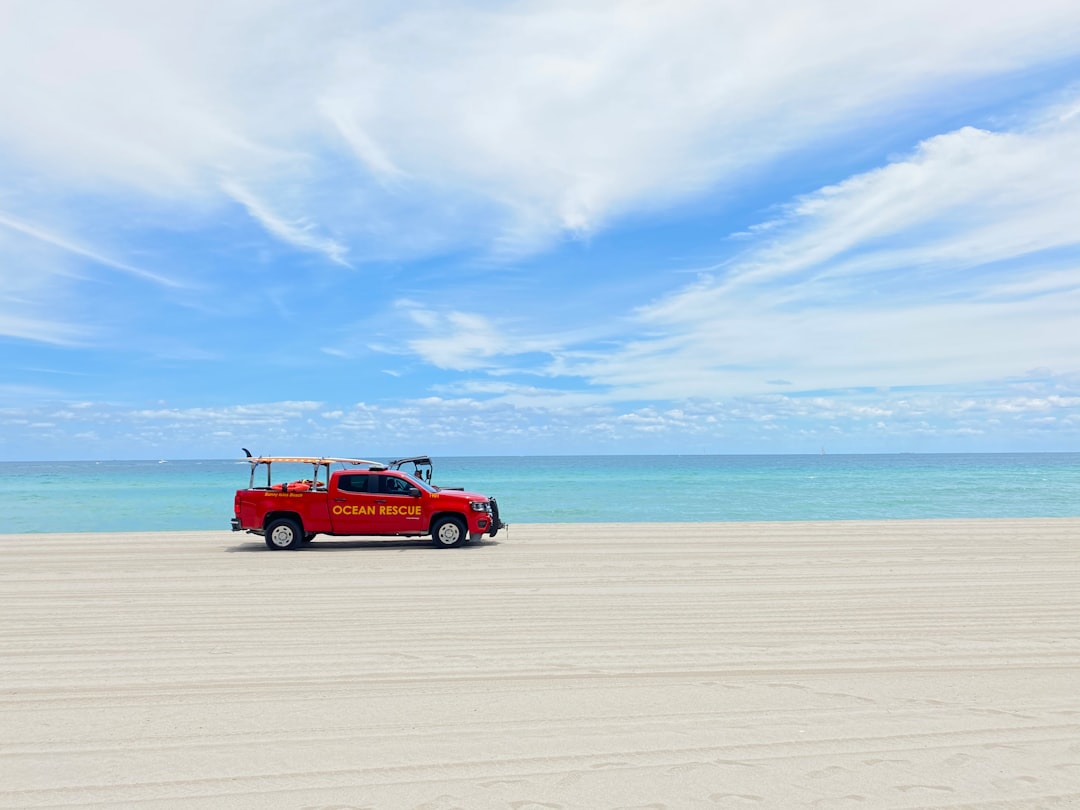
<point>496,523</point>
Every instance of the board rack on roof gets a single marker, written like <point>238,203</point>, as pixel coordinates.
<point>253,460</point>
<point>320,468</point>
<point>313,460</point>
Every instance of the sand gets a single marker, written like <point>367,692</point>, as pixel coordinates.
<point>914,664</point>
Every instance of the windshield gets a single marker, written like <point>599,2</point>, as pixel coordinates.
<point>424,485</point>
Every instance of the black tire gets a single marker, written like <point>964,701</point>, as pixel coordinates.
<point>283,533</point>
<point>448,531</point>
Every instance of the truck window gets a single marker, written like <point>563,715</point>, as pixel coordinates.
<point>357,482</point>
<point>395,486</point>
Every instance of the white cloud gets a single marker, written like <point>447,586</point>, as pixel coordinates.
<point>958,263</point>
<point>40,269</point>
<point>905,275</point>
<point>845,422</point>
<point>403,131</point>
<point>272,413</point>
<point>39,329</point>
<point>299,233</point>
<point>464,341</point>
<point>68,245</point>
<point>965,198</point>
<point>459,341</point>
<point>570,115</point>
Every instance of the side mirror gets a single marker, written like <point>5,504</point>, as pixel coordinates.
<point>414,492</point>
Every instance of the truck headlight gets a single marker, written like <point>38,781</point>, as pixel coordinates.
<point>480,506</point>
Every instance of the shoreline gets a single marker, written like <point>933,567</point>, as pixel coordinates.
<point>534,526</point>
<point>888,663</point>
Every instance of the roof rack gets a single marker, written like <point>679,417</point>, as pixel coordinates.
<point>313,460</point>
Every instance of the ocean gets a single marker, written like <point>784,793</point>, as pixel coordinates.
<point>164,495</point>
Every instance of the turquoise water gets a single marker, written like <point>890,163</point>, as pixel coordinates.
<point>123,496</point>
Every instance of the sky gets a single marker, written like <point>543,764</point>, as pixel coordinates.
<point>517,228</point>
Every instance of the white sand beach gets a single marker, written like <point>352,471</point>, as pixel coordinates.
<point>914,664</point>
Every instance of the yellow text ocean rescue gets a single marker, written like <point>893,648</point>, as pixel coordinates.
<point>358,510</point>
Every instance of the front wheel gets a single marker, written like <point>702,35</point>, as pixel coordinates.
<point>448,532</point>
<point>283,533</point>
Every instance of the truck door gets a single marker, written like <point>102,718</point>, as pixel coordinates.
<point>400,509</point>
<point>354,504</point>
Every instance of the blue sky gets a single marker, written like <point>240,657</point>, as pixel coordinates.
<point>551,227</point>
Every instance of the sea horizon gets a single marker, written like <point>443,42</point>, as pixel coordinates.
<point>378,457</point>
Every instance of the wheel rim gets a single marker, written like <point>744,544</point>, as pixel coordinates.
<point>449,533</point>
<point>281,536</point>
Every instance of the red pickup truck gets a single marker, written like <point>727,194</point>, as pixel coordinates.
<point>359,498</point>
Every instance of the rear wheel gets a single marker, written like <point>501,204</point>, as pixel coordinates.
<point>448,532</point>
<point>283,533</point>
